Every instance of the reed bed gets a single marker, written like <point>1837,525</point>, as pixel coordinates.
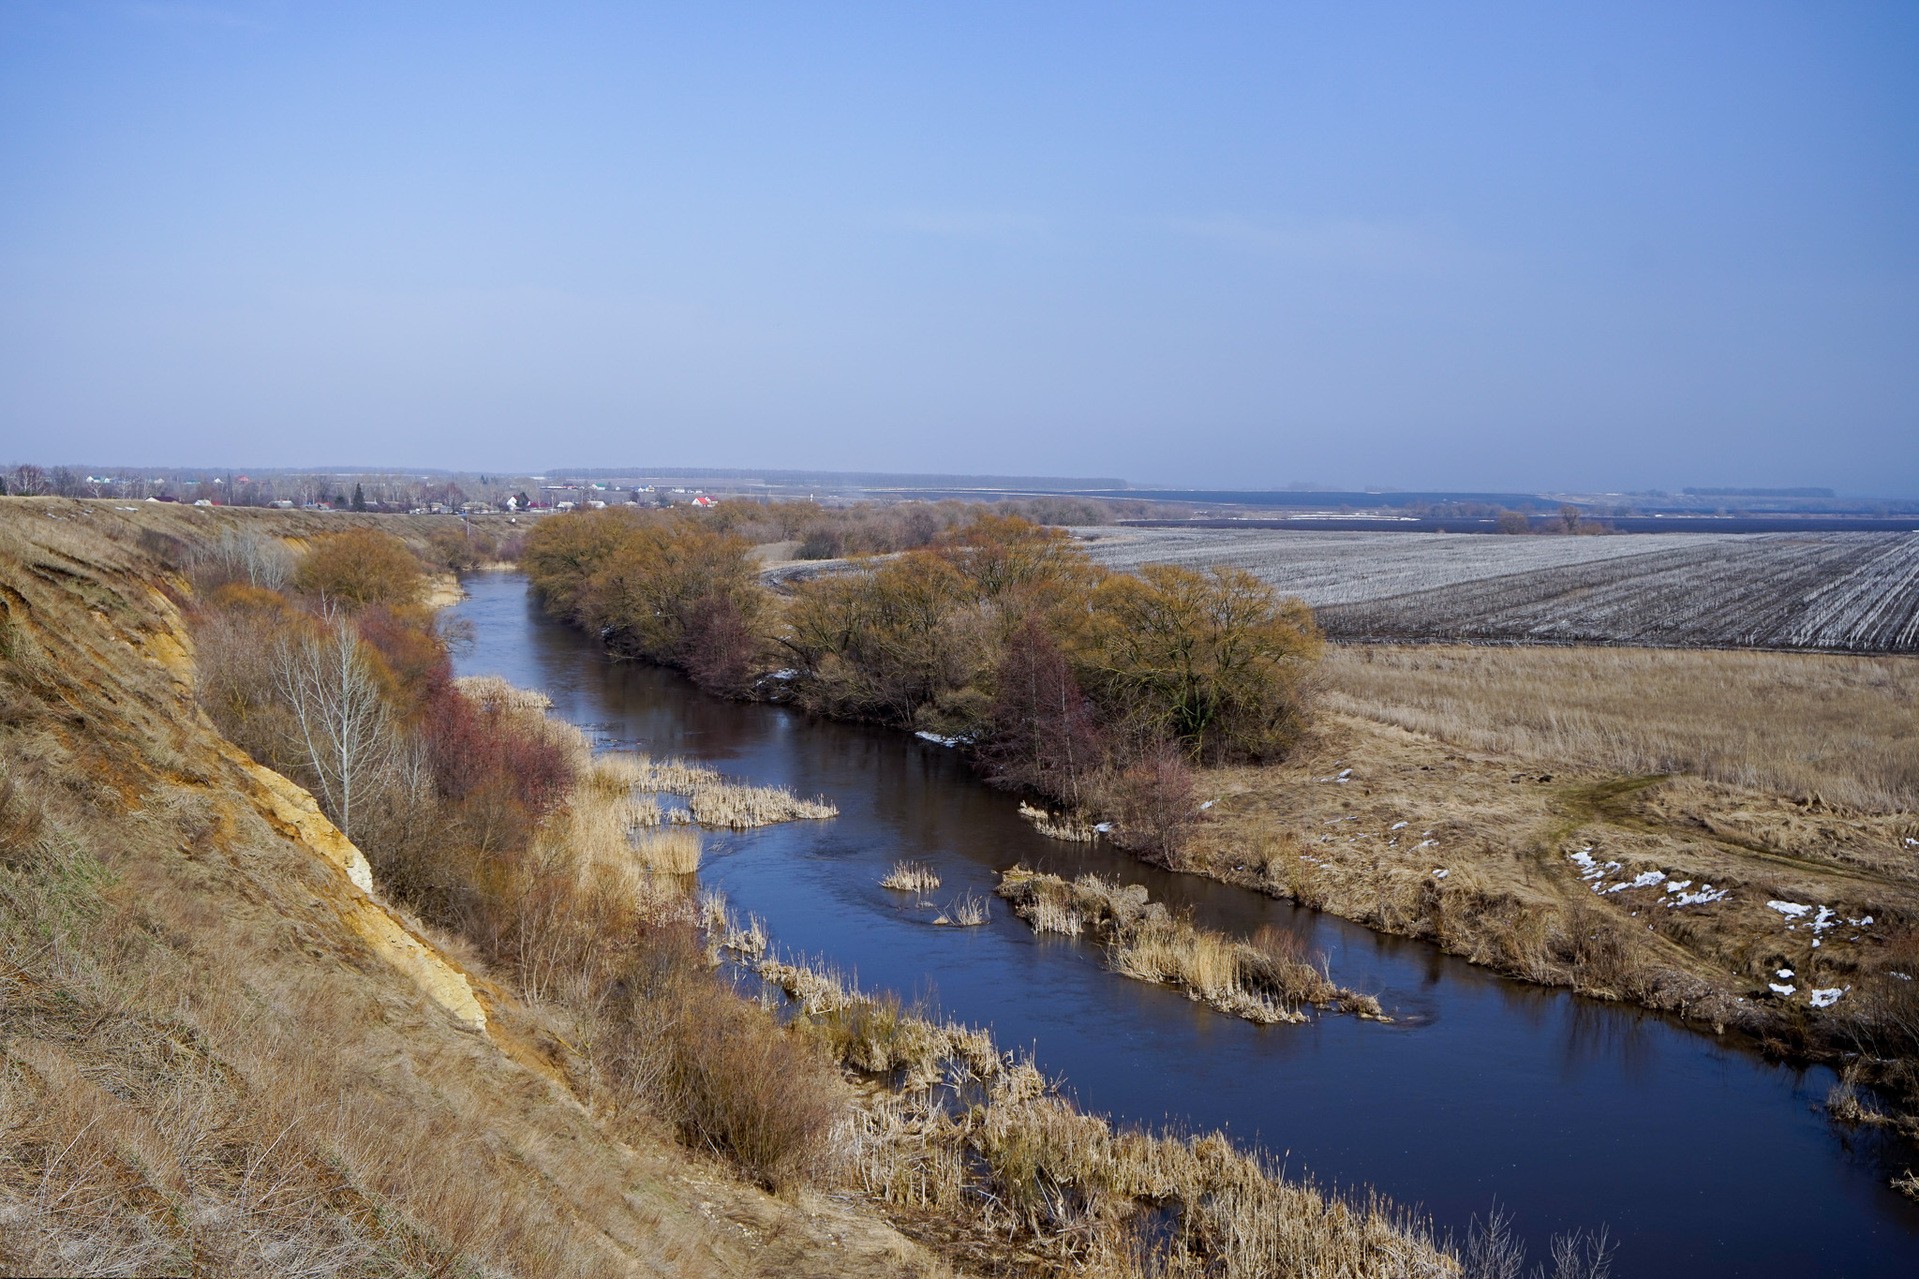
<point>911,877</point>
<point>1063,827</point>
<point>493,691</point>
<point>1266,978</point>
<point>741,807</point>
<point>713,799</point>
<point>969,910</point>
<point>724,931</point>
<point>982,1139</point>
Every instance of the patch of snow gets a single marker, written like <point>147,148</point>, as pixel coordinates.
<point>1826,998</point>
<point>1104,828</point>
<point>1700,898</point>
<point>1777,989</point>
<point>1823,920</point>
<point>1208,804</point>
<point>1397,826</point>
<point>1783,973</point>
<point>938,740</point>
<point>1439,874</point>
<point>1791,910</point>
<point>1644,879</point>
<point>1589,869</point>
<point>786,673</point>
<point>1426,843</point>
<point>1679,885</point>
<point>1901,976</point>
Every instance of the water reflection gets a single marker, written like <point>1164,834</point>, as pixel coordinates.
<point>1700,1156</point>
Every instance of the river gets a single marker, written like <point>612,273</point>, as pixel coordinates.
<point>1698,1155</point>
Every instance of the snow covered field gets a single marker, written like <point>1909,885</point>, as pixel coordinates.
<point>1856,592</point>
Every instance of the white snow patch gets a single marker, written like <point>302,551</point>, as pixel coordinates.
<point>1426,843</point>
<point>1397,826</point>
<point>1208,804</point>
<point>938,740</point>
<point>1826,998</point>
<point>1644,879</point>
<point>1439,874</point>
<point>1791,910</point>
<point>1893,972</point>
<point>787,673</point>
<point>1104,828</point>
<point>1783,973</point>
<point>1700,898</point>
<point>1777,989</point>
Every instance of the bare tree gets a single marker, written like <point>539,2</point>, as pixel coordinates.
<point>237,556</point>
<point>340,720</point>
<point>29,481</point>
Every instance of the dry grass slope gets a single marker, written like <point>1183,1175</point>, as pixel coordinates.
<point>211,1058</point>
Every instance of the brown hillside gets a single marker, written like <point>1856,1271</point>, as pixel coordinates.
<point>219,1052</point>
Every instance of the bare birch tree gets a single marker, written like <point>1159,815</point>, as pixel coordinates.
<point>249,557</point>
<point>340,720</point>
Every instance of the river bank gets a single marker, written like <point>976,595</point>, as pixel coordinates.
<point>1573,1113</point>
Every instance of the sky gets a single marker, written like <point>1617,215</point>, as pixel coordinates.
<point>1592,247</point>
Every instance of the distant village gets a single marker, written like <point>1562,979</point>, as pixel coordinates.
<point>400,493</point>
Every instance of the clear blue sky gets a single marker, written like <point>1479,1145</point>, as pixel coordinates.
<point>1604,246</point>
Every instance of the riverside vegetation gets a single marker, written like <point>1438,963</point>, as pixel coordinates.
<point>483,1035</point>
<point>1461,796</point>
<point>1266,978</point>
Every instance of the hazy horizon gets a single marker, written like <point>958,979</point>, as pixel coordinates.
<point>1477,247</point>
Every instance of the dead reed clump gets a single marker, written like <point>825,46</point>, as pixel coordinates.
<point>723,931</point>
<point>911,877</point>
<point>1845,1103</point>
<point>1064,827</point>
<point>493,691</point>
<point>669,852</point>
<point>969,910</point>
<point>716,800</point>
<point>1907,1184</point>
<point>1266,978</point>
<point>741,807</point>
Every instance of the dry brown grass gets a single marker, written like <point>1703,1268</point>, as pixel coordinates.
<point>671,852</point>
<point>1844,729</point>
<point>1463,830</point>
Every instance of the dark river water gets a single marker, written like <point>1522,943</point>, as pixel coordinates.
<point>1700,1157</point>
